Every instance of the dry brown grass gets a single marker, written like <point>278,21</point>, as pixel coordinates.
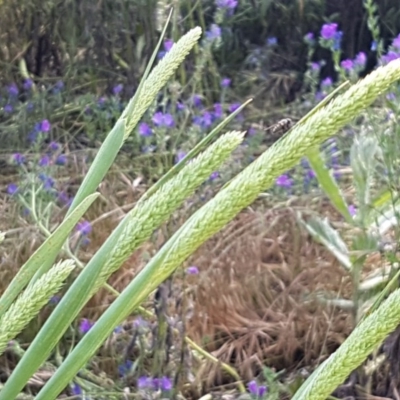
<point>251,308</point>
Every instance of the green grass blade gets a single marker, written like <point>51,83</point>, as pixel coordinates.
<point>328,184</point>
<point>44,256</point>
<point>101,164</point>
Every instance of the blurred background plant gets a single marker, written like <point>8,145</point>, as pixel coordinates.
<point>260,296</point>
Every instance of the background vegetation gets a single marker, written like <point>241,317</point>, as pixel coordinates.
<point>254,310</point>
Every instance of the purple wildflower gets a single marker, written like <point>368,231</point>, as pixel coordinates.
<point>54,300</point>
<point>347,65</point>
<point>328,31</point>
<point>54,146</point>
<point>27,85</point>
<point>168,43</point>
<point>374,45</point>
<point>125,368</point>
<point>390,56</point>
<point>233,107</point>
<point>180,106</point>
<point>225,82</point>
<point>45,126</point>
<point>207,119</point>
<point>168,120</point>
<point>61,159</point>
<point>85,325</point>
<point>214,32</point>
<point>117,89</point>
<point>256,390</point>
<point>352,210</point>
<point>18,158</point>
<point>180,156</point>
<point>145,130</point>
<point>192,270</point>
<point>361,59</point>
<point>12,188</point>
<point>76,390</point>
<point>315,66</point>
<point>144,382</point>
<point>327,82</point>
<point>396,42</point>
<point>337,40</point>
<point>309,38</point>
<point>59,85</point>
<point>13,90</point>
<point>284,181</point>
<point>63,198</point>
<point>228,4</point>
<point>218,111</point>
<point>84,228</point>
<point>165,384</point>
<point>8,108</point>
<point>214,175</point>
<point>272,41</point>
<point>44,161</point>
<point>196,100</point>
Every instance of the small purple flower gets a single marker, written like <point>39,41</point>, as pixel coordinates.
<point>44,161</point>
<point>180,156</point>
<point>390,56</point>
<point>337,40</point>
<point>168,121</point>
<point>45,126</point>
<point>48,181</point>
<point>158,118</point>
<point>27,85</point>
<point>328,31</point>
<point>214,175</point>
<point>233,107</point>
<point>125,368</point>
<point>327,82</point>
<point>117,89</point>
<point>76,390</point>
<point>54,146</point>
<point>63,198</point>
<point>391,96</point>
<point>229,4</point>
<point>225,82</point>
<point>13,90</point>
<point>396,42</point>
<point>352,210</point>
<point>85,325</point>
<point>145,130</point>
<point>165,384</point>
<point>272,41</point>
<point>192,270</point>
<point>284,181</point>
<point>101,101</point>
<point>12,189</point>
<point>256,390</point>
<point>29,106</point>
<point>180,106</point>
<point>361,59</point>
<point>214,32</point>
<point>315,66</point>
<point>347,65</point>
<point>309,38</point>
<point>374,45</point>
<point>18,159</point>
<point>61,159</point>
<point>207,119</point>
<point>84,228</point>
<point>218,110</point>
<point>59,85</point>
<point>144,382</point>
<point>54,300</point>
<point>8,108</point>
<point>168,43</point>
<point>197,100</point>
